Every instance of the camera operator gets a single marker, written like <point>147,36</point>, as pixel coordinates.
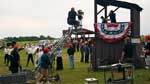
<point>71,20</point>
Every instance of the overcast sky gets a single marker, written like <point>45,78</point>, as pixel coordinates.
<point>48,17</point>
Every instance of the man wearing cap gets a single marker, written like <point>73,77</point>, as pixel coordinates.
<point>45,62</point>
<point>14,60</point>
<point>146,50</point>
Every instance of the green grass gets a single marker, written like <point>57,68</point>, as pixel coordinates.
<point>80,72</point>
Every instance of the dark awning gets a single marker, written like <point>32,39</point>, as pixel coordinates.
<point>81,31</point>
<point>117,3</point>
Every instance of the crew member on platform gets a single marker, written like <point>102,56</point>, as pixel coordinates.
<point>71,20</point>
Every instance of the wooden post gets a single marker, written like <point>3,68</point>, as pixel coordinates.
<point>100,11</point>
<point>105,11</point>
<point>135,19</point>
<point>95,11</point>
<point>93,55</point>
<point>135,34</point>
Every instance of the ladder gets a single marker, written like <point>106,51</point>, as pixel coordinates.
<point>60,42</point>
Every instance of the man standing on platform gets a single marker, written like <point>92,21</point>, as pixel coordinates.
<point>112,16</point>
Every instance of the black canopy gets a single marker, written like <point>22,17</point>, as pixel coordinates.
<point>117,3</point>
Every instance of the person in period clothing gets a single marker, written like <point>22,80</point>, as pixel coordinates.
<point>15,60</point>
<point>87,52</point>
<point>7,52</point>
<point>30,52</point>
<point>82,50</point>
<point>59,62</point>
<point>6,60</point>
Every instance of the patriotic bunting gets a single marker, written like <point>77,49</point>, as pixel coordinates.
<point>112,32</point>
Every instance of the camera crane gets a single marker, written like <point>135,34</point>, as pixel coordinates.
<point>62,40</point>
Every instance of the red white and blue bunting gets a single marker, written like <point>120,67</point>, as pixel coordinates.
<point>112,32</point>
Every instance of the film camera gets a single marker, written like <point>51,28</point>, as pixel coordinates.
<point>80,14</point>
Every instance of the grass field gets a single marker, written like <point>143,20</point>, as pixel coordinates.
<point>80,72</point>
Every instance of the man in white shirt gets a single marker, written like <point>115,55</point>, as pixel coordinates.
<point>7,52</point>
<point>30,52</point>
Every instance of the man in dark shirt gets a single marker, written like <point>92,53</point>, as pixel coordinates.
<point>127,53</point>
<point>112,16</point>
<point>71,20</point>
<point>147,53</point>
<point>45,62</point>
<point>87,52</point>
<point>71,52</point>
<point>14,60</point>
<point>147,49</point>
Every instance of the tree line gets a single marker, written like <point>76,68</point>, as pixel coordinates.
<point>28,38</point>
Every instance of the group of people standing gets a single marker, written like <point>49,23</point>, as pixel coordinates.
<point>43,53</point>
<point>85,48</point>
<point>43,62</point>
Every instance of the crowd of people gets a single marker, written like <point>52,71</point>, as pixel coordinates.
<point>41,52</point>
<point>83,46</point>
<point>40,56</point>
